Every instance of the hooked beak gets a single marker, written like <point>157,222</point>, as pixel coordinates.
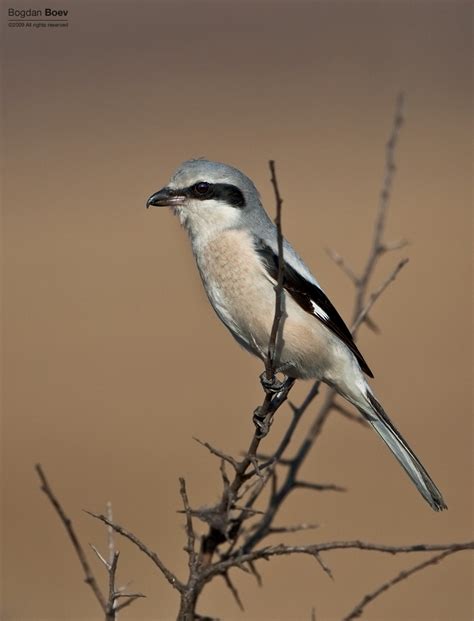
<point>165,198</point>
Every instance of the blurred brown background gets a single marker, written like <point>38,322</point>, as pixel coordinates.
<point>113,358</point>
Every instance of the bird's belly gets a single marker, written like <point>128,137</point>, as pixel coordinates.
<point>238,289</point>
<point>244,299</point>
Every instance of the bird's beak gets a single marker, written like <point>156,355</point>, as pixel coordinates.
<point>165,197</point>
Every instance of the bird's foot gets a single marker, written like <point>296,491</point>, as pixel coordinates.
<point>262,422</point>
<point>271,386</point>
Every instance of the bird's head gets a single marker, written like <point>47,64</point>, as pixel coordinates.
<point>208,197</point>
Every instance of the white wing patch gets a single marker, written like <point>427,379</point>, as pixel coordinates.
<point>319,311</point>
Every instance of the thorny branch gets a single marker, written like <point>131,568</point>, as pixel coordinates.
<point>235,529</point>
<point>403,575</point>
<point>108,604</point>
<point>360,313</point>
<point>143,547</point>
<point>90,578</point>
<point>277,319</point>
<point>275,395</point>
<point>316,549</point>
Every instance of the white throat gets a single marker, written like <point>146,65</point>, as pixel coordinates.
<point>206,220</point>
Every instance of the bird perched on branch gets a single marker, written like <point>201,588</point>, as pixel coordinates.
<point>235,246</point>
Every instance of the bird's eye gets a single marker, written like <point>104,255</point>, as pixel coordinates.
<point>202,189</point>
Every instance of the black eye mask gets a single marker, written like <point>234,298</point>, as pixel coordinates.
<point>225,192</point>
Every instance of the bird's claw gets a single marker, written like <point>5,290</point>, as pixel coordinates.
<point>262,422</point>
<point>271,386</point>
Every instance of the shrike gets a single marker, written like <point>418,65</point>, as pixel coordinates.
<point>235,246</point>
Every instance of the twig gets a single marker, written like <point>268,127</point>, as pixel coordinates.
<point>315,549</point>
<point>377,293</point>
<point>191,536</point>
<point>110,533</point>
<point>403,575</point>
<point>90,578</point>
<point>255,572</point>
<point>218,453</point>
<point>216,536</point>
<point>324,567</point>
<point>396,245</point>
<point>370,323</point>
<point>291,529</point>
<point>233,590</point>
<point>100,557</point>
<point>339,260</point>
<point>360,309</point>
<point>291,476</point>
<point>172,579</point>
<point>110,609</point>
<point>297,415</point>
<point>378,247</point>
<point>113,556</point>
<point>319,487</point>
<point>356,418</point>
<point>278,316</point>
<point>132,597</point>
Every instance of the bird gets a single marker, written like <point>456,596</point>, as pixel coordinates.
<point>235,246</point>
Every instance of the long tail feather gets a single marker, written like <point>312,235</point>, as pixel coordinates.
<point>379,420</point>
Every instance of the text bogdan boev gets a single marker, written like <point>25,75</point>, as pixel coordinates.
<point>22,13</point>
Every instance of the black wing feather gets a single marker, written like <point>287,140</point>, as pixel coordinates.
<point>305,293</point>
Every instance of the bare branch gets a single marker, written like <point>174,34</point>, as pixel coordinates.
<point>110,533</point>
<point>269,460</point>
<point>216,535</point>
<point>272,346</point>
<point>233,590</point>
<point>218,453</point>
<point>323,565</point>
<point>291,475</point>
<point>100,557</point>
<point>297,415</point>
<point>225,478</point>
<point>110,609</point>
<point>315,549</point>
<point>377,293</point>
<point>378,247</point>
<point>249,510</point>
<point>403,575</point>
<point>292,529</point>
<point>396,245</point>
<point>120,595</point>
<point>175,583</point>
<point>356,418</point>
<point>370,323</point>
<point>360,311</point>
<point>339,260</point>
<point>90,578</point>
<point>319,487</point>
<point>132,597</point>
<point>255,572</point>
<point>191,536</point>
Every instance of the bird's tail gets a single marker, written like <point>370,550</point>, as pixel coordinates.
<point>374,413</point>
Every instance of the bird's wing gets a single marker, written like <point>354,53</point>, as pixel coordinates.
<point>311,298</point>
